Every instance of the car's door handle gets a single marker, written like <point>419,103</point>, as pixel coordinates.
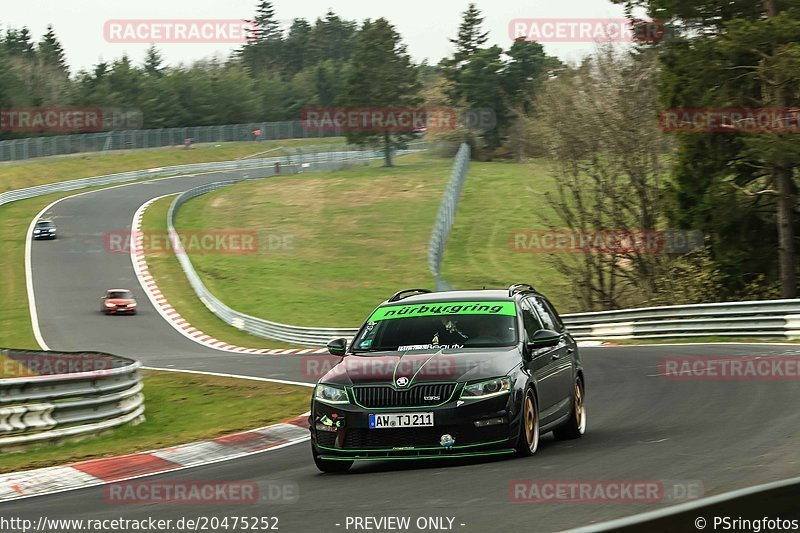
<point>570,351</point>
<point>556,356</point>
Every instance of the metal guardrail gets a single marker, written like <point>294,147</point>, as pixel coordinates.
<point>305,336</point>
<point>309,153</point>
<point>768,319</point>
<point>60,394</point>
<point>447,216</point>
<point>28,148</point>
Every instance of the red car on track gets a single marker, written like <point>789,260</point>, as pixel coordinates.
<point>119,302</point>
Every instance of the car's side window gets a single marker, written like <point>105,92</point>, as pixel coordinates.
<point>547,313</point>
<point>530,319</point>
<point>541,310</point>
<point>553,315</point>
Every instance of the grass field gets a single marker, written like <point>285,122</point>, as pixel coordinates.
<point>180,408</point>
<point>20,174</point>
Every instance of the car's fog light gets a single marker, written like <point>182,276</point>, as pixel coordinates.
<point>489,422</point>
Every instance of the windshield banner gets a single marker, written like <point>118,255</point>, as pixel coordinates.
<point>439,309</point>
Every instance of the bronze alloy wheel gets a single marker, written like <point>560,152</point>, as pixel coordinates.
<point>531,421</point>
<point>580,407</point>
<point>575,427</point>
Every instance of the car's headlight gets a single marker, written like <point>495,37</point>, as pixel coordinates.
<point>328,394</point>
<point>487,389</point>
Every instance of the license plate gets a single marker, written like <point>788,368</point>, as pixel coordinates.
<point>400,420</point>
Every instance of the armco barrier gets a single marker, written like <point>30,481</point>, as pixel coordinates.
<point>54,395</point>
<point>779,319</point>
<point>305,154</point>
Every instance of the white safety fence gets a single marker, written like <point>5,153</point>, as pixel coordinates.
<point>52,395</point>
<point>447,216</point>
<point>776,319</point>
<point>331,153</point>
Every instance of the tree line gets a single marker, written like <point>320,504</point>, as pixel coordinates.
<point>277,74</point>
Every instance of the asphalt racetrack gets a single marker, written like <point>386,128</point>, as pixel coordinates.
<point>720,435</point>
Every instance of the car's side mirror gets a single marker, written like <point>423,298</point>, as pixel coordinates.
<point>544,338</point>
<point>337,347</point>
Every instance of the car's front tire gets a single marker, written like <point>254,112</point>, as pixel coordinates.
<point>330,467</point>
<point>575,427</point>
<point>528,441</point>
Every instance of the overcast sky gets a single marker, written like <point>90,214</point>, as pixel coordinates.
<point>425,25</point>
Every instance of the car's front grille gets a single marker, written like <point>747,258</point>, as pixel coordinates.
<point>417,396</point>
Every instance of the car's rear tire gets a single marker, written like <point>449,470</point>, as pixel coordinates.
<point>528,441</point>
<point>575,427</point>
<point>330,467</point>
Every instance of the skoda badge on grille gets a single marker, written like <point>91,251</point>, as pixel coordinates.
<point>402,382</point>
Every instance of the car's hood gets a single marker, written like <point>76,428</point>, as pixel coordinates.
<point>423,366</point>
<point>120,301</point>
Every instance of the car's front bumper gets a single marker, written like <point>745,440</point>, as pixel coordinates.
<point>117,311</point>
<point>356,441</point>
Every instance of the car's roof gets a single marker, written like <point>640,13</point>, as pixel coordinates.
<point>45,221</point>
<point>118,290</point>
<point>455,296</point>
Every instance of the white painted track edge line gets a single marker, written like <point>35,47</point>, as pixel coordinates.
<point>237,376</point>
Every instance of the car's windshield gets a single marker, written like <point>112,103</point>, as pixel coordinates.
<point>45,224</point>
<point>119,295</point>
<point>439,325</point>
